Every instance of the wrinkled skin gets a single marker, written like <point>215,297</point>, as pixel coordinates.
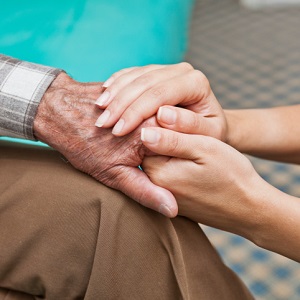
<point>65,121</point>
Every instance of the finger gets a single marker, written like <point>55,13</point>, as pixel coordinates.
<point>135,184</point>
<point>116,75</point>
<point>121,79</point>
<point>171,143</point>
<point>129,94</point>
<point>183,120</point>
<point>184,90</point>
<point>105,97</point>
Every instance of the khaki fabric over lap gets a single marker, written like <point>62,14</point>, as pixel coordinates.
<point>63,235</point>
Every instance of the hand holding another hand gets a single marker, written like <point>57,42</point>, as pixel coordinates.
<point>212,182</point>
<point>135,94</point>
<point>208,178</point>
<point>203,173</point>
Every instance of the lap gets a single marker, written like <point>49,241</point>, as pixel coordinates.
<point>66,236</point>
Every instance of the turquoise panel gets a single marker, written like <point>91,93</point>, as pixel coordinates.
<point>91,39</point>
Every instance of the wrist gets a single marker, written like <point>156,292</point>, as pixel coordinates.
<point>233,121</point>
<point>243,126</point>
<point>281,219</point>
<point>261,195</point>
<point>61,80</point>
<point>67,112</point>
<point>251,216</point>
<point>53,94</point>
<point>267,205</point>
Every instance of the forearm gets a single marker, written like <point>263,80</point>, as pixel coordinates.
<point>278,216</point>
<point>268,133</point>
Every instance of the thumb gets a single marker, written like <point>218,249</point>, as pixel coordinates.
<point>188,121</point>
<point>136,184</point>
<point>171,143</point>
<point>183,120</point>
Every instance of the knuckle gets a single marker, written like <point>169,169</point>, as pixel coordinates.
<point>143,80</point>
<point>114,104</point>
<point>133,112</point>
<point>194,122</point>
<point>200,80</point>
<point>157,92</point>
<point>144,69</point>
<point>199,76</point>
<point>173,144</point>
<point>150,67</point>
<point>186,66</point>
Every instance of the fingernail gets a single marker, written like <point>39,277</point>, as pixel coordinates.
<point>108,82</point>
<point>103,98</point>
<point>164,209</point>
<point>118,127</point>
<point>149,135</point>
<point>103,118</point>
<point>166,115</point>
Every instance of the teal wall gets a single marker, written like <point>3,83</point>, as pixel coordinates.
<point>91,39</point>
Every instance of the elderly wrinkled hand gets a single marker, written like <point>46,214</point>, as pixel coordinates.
<point>65,120</point>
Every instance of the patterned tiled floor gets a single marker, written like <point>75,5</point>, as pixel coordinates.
<point>252,59</point>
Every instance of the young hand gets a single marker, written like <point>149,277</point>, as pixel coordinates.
<point>135,94</point>
<point>212,182</point>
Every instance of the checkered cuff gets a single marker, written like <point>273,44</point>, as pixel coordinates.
<point>22,86</point>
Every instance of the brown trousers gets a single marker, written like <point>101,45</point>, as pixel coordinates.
<point>63,235</point>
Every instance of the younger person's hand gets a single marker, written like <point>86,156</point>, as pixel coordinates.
<point>212,182</point>
<point>135,94</point>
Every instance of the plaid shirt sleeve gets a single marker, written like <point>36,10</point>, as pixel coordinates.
<point>22,86</point>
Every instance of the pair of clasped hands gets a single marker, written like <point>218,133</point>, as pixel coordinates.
<point>203,177</point>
